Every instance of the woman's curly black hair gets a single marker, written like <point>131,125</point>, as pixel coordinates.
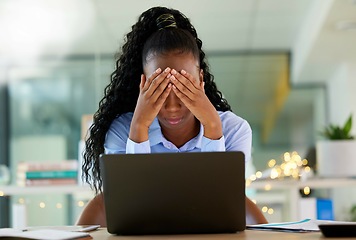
<point>121,95</point>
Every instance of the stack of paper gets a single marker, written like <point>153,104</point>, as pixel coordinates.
<point>49,234</point>
<point>306,225</point>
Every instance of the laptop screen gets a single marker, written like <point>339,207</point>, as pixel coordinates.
<point>174,193</point>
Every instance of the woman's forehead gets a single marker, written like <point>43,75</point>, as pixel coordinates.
<point>175,60</point>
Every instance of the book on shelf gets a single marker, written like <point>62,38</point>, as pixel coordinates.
<point>48,182</point>
<point>47,173</point>
<point>47,166</point>
<point>51,174</point>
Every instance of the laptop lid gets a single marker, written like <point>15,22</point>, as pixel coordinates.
<point>174,193</point>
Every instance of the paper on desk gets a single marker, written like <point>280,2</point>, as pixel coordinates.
<point>49,234</point>
<point>71,228</point>
<point>306,225</point>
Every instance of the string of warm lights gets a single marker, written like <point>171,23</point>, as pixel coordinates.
<point>42,204</point>
<point>292,166</point>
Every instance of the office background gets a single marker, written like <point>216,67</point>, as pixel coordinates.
<point>287,66</point>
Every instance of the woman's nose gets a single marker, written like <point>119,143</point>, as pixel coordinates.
<point>172,102</point>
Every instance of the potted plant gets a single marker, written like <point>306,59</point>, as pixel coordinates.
<point>353,213</point>
<point>336,156</point>
<point>333,132</point>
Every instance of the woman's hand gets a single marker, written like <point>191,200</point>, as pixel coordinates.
<point>153,93</point>
<point>191,92</point>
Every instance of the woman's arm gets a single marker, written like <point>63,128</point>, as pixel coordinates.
<point>94,212</point>
<point>154,91</point>
<point>253,214</point>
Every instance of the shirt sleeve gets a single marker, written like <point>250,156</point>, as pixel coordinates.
<point>133,147</point>
<point>238,134</point>
<point>117,135</point>
<point>209,145</point>
<point>114,144</point>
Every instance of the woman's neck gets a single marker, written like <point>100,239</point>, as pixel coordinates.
<point>181,136</point>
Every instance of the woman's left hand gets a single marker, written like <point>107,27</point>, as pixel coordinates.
<point>191,92</point>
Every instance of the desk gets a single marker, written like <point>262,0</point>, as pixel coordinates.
<point>248,234</point>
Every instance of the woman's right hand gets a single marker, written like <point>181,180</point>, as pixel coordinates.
<point>153,93</point>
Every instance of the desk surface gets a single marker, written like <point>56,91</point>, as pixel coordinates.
<point>247,234</point>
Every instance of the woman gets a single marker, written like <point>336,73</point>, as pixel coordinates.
<point>161,98</point>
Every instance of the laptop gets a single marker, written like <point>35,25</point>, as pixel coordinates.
<point>174,193</point>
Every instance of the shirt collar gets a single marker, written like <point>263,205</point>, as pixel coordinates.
<point>156,137</point>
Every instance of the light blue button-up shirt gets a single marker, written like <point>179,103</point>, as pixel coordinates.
<point>237,136</point>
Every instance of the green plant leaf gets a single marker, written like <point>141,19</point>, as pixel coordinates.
<point>348,125</point>
<point>334,132</point>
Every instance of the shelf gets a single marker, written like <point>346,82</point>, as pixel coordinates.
<point>292,188</point>
<point>287,184</point>
<point>8,190</point>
